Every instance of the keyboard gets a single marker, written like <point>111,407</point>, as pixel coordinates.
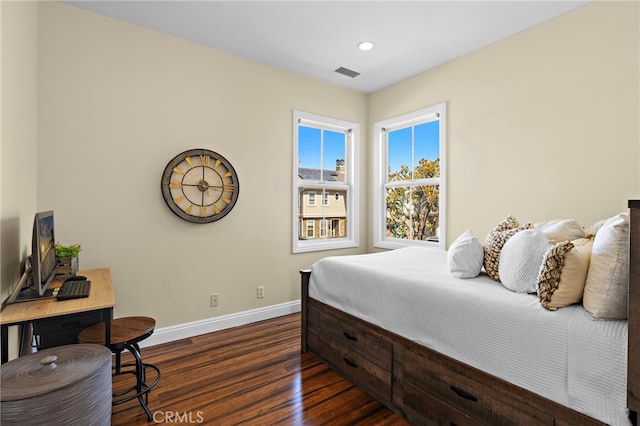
<point>74,289</point>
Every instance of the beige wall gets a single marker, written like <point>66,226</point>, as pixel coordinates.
<point>19,139</point>
<point>541,125</point>
<point>117,102</point>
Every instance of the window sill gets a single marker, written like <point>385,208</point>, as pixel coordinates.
<point>320,245</point>
<point>396,244</point>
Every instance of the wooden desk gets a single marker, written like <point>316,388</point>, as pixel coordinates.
<point>101,298</point>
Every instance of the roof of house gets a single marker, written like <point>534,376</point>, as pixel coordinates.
<point>314,174</point>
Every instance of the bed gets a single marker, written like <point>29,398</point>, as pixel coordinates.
<point>455,351</point>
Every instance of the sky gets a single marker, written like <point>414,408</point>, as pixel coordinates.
<point>426,145</point>
<point>309,148</point>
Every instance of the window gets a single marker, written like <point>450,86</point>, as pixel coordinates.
<point>311,229</point>
<point>325,165</point>
<point>409,177</point>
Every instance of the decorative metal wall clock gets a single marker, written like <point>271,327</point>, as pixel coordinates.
<point>200,186</point>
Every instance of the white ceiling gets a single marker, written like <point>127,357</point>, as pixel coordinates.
<point>316,37</point>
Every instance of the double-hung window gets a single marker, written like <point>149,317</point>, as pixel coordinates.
<point>325,190</point>
<point>409,181</point>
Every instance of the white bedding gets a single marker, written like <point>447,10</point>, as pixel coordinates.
<point>564,356</point>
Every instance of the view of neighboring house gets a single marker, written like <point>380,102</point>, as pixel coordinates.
<point>322,212</point>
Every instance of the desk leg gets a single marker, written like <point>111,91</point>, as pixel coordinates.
<point>5,343</point>
<point>107,326</point>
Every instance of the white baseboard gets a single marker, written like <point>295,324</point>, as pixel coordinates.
<point>183,331</point>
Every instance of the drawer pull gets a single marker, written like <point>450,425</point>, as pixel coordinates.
<point>350,337</point>
<point>350,363</point>
<point>464,394</point>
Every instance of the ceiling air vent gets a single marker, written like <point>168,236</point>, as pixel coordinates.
<point>347,72</point>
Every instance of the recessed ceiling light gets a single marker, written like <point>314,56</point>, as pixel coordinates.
<point>365,45</point>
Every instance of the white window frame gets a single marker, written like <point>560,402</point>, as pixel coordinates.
<point>380,157</point>
<point>350,184</point>
<point>311,198</point>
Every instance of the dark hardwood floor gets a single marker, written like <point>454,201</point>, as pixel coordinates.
<point>251,375</point>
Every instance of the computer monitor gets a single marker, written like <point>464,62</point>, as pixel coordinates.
<point>43,252</point>
<point>37,278</point>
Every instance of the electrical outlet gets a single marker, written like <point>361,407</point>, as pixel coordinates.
<point>215,299</point>
<point>260,292</point>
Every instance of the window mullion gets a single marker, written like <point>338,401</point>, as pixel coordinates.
<point>413,152</point>
<point>419,182</point>
<point>412,211</point>
<point>322,155</point>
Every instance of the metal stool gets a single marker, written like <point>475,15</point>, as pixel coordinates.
<point>125,334</point>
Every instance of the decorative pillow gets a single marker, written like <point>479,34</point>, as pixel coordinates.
<point>593,229</point>
<point>496,240</point>
<point>520,260</point>
<point>465,256</point>
<point>563,273</point>
<point>561,230</point>
<point>607,288</point>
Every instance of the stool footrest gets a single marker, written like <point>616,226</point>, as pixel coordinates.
<point>140,390</point>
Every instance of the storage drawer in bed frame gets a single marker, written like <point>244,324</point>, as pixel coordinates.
<point>362,355</point>
<point>427,378</point>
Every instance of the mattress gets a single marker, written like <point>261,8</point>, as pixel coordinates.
<point>565,355</point>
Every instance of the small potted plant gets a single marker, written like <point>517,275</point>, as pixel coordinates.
<point>67,260</point>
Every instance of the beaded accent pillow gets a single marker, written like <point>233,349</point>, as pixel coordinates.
<point>496,240</point>
<point>563,273</point>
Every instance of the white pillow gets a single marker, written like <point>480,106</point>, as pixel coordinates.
<point>465,256</point>
<point>607,288</point>
<point>520,260</point>
<point>558,230</point>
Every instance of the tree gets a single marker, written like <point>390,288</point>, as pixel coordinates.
<point>412,210</point>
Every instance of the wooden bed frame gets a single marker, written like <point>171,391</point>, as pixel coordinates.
<point>427,387</point>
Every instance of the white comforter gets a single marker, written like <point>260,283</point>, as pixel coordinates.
<point>565,356</point>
